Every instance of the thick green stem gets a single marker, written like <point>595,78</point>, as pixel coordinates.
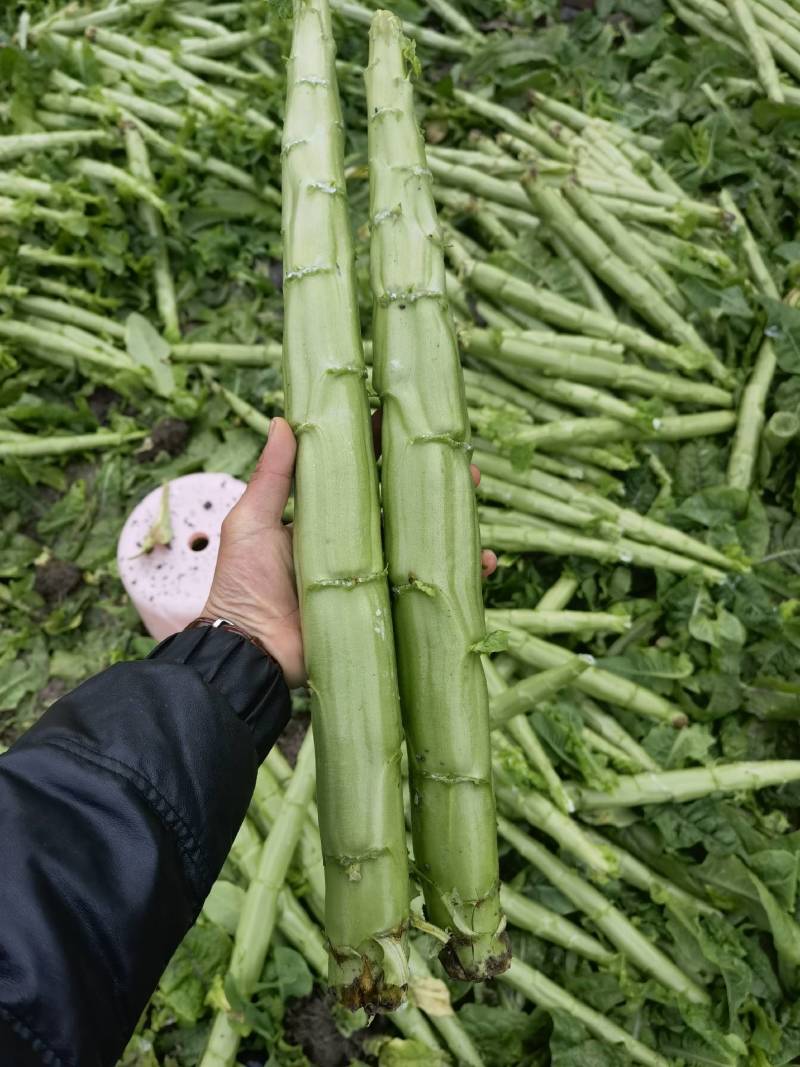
<point>552,308</point>
<point>434,565</point>
<point>542,622</point>
<point>639,527</point>
<point>511,714</point>
<point>536,919</point>
<point>675,787</point>
<point>628,282</point>
<point>344,601</point>
<point>519,349</point>
<point>260,909</point>
<point>619,930</point>
<point>603,685</point>
<point>166,301</point>
<point>546,994</point>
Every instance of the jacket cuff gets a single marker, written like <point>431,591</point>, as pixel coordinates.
<point>251,682</point>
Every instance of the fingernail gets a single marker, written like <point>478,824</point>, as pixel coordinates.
<point>269,428</point>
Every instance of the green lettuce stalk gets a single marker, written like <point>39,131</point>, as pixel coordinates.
<point>344,599</point>
<point>432,543</point>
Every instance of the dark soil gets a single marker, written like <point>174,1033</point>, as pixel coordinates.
<point>292,737</point>
<point>57,579</point>
<point>308,1023</point>
<point>101,401</point>
<point>168,435</point>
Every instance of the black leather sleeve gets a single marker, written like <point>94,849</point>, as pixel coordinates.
<point>117,810</point>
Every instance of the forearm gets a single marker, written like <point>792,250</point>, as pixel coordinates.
<point>116,813</point>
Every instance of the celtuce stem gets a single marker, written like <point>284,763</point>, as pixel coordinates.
<point>355,706</point>
<point>619,930</point>
<point>260,909</point>
<point>528,915</point>
<point>546,994</point>
<point>666,787</point>
<point>434,567</point>
<point>603,685</point>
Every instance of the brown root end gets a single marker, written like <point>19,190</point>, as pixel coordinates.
<point>367,991</point>
<point>485,970</point>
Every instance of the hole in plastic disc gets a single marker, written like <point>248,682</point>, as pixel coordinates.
<point>197,542</point>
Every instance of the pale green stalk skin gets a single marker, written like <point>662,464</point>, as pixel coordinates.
<point>618,238</point>
<point>225,45</point>
<point>624,208</point>
<point>122,181</point>
<point>667,787</point>
<point>344,598</point>
<point>584,277</point>
<point>269,354</point>
<point>508,708</point>
<point>558,596</point>
<point>510,121</point>
<point>14,145</point>
<point>449,1026</point>
<point>76,333</point>
<point>546,817</point>
<point>498,191</point>
<point>619,930</point>
<point>517,348</point>
<point>788,13</point>
<point>17,185</point>
<point>637,526</point>
<point>749,19</point>
<point>166,301</point>
<point>265,808</point>
<point>439,42</point>
<point>77,23</point>
<point>568,433</point>
<point>517,725</point>
<point>549,538</point>
<point>780,431</point>
<point>531,500</point>
<point>111,99</point>
<point>609,729</point>
<point>540,621</point>
<point>528,915</point>
<point>644,194</point>
<point>260,908</point>
<point>246,412</point>
<point>450,14</point>
<point>616,755</point>
<point>64,312</point>
<point>552,308</point>
<point>293,922</point>
<point>597,683</point>
<point>495,165</point>
<point>475,205</point>
<point>546,994</point>
<point>57,446</point>
<point>755,261</point>
<point>62,346</point>
<point>432,543</point>
<point>588,242</point>
<point>214,68</point>
<point>585,397</point>
<point>574,343</point>
<point>675,251</point>
<point>700,24</point>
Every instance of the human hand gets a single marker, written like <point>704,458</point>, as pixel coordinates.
<point>254,583</point>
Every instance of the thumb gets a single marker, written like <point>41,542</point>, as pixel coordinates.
<point>269,488</point>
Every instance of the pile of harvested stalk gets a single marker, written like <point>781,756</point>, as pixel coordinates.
<point>599,217</point>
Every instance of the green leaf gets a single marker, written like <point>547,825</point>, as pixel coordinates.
<point>202,955</point>
<point>223,905</point>
<point>148,349</point>
<point>496,641</point>
<point>290,972</point>
<point>501,1034</point>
